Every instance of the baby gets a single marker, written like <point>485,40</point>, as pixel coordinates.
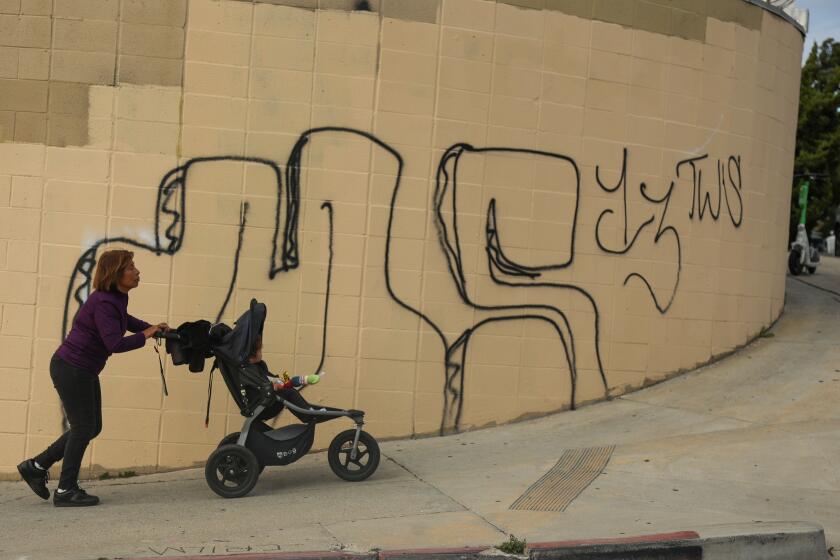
<point>282,387</point>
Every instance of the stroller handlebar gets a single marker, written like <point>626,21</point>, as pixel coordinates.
<point>171,335</point>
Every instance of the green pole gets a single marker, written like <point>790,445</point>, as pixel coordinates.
<point>803,200</point>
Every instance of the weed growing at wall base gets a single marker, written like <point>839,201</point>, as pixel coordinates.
<point>125,474</point>
<point>513,545</point>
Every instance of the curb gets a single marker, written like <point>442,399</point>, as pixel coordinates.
<point>534,551</point>
<point>315,555</point>
<point>765,541</point>
<point>682,545</point>
<point>466,553</point>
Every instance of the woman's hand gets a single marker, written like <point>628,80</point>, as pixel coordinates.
<point>149,332</point>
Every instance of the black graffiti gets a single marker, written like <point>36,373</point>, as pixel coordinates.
<point>622,185</point>
<point>455,351</point>
<point>630,243</point>
<point>170,232</point>
<point>728,178</point>
<point>171,206</point>
<point>243,213</point>
<point>701,201</point>
<point>170,211</point>
<point>446,187</point>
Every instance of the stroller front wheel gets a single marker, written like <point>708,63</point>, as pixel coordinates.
<point>342,462</point>
<point>232,471</point>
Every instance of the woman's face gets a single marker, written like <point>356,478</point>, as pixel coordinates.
<point>130,278</point>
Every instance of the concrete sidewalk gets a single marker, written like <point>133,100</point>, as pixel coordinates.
<point>752,439</point>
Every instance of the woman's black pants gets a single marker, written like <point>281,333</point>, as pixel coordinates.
<point>82,399</point>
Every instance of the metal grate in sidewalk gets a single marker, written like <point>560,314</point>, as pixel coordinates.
<point>558,488</point>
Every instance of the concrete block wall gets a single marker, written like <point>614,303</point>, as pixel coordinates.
<point>533,204</point>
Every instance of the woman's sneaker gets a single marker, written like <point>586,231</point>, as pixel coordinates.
<point>75,497</point>
<point>36,478</point>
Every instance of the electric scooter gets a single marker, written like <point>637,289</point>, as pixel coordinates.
<point>803,255</point>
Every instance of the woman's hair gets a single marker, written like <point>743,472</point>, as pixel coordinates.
<point>110,268</point>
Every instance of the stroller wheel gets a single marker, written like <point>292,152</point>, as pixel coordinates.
<point>233,438</point>
<point>344,465</point>
<point>231,471</point>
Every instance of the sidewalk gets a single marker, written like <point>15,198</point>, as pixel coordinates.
<point>753,438</point>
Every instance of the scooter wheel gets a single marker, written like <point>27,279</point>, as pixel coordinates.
<point>231,471</point>
<point>795,262</point>
<point>341,462</point>
<point>812,269</point>
<point>233,438</point>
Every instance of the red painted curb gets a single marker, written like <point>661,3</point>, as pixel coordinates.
<point>424,551</point>
<point>656,538</point>
<point>395,554</point>
<point>331,555</point>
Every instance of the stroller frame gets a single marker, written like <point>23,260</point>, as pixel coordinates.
<point>233,468</point>
<point>331,413</point>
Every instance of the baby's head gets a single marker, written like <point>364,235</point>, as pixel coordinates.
<point>256,356</point>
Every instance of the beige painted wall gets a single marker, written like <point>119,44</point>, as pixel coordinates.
<point>581,273</point>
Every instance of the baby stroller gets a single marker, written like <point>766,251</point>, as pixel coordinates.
<point>233,468</point>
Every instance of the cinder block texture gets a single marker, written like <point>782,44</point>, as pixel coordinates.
<point>468,211</point>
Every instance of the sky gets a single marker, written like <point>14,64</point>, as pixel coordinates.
<point>825,22</point>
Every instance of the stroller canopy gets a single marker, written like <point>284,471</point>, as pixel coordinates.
<point>237,345</point>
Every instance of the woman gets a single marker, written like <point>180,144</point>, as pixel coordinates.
<point>98,331</point>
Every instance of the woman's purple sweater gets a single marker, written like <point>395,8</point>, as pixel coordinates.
<point>98,331</point>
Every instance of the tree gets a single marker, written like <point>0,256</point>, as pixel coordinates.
<point>818,136</point>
